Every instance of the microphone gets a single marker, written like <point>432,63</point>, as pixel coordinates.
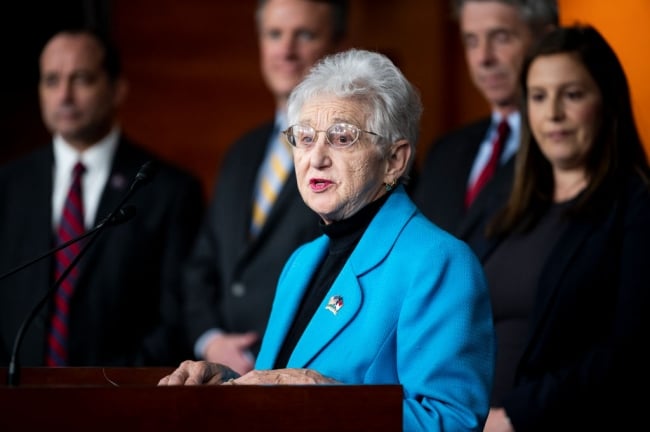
<point>119,215</point>
<point>123,215</point>
<point>142,177</point>
<point>145,174</point>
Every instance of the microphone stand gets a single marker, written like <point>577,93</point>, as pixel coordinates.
<point>143,176</point>
<point>13,371</point>
<point>115,220</point>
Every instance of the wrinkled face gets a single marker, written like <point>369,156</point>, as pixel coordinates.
<point>336,183</point>
<point>293,35</point>
<point>77,98</point>
<point>496,40</point>
<point>564,109</point>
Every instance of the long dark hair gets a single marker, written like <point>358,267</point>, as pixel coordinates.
<point>618,149</point>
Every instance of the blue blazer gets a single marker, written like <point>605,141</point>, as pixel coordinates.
<point>410,307</point>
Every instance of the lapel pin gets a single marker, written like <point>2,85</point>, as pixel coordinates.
<point>118,181</point>
<point>335,303</point>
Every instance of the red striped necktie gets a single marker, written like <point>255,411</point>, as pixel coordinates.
<point>503,130</point>
<point>71,226</point>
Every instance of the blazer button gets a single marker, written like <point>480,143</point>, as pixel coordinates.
<point>238,289</point>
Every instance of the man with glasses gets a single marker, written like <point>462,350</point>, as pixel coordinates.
<point>256,216</point>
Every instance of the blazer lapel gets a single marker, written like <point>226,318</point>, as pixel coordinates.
<point>571,243</point>
<point>376,242</point>
<point>37,229</point>
<point>339,307</point>
<point>561,256</point>
<point>278,209</point>
<point>466,152</point>
<point>488,201</point>
<point>244,247</point>
<point>291,289</point>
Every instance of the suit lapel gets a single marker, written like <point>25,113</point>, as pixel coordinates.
<point>38,230</point>
<point>120,179</point>
<point>457,168</point>
<point>279,208</point>
<point>258,147</point>
<point>488,201</point>
<point>244,247</point>
<point>123,171</point>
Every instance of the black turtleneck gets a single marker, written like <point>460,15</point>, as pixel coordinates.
<point>344,236</point>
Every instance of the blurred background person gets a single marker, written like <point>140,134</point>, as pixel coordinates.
<point>256,216</point>
<point>467,174</point>
<point>568,257</point>
<point>120,304</point>
<point>383,296</point>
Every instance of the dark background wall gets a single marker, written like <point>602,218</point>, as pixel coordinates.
<point>193,70</point>
<point>195,83</point>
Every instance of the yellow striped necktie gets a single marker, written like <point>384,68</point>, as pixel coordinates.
<point>273,174</point>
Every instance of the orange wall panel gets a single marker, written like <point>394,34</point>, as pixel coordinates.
<point>625,26</point>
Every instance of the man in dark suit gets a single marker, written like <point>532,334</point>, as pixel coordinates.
<point>124,309</point>
<point>496,35</point>
<point>231,278</point>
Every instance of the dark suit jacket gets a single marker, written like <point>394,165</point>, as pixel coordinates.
<point>590,327</point>
<point>125,309</point>
<point>230,281</point>
<point>442,182</point>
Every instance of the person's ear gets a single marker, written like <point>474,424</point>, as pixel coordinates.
<point>121,91</point>
<point>397,160</point>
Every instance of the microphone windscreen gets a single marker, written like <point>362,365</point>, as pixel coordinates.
<point>146,172</point>
<point>123,215</point>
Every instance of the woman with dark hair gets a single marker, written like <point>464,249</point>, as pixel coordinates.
<point>567,257</point>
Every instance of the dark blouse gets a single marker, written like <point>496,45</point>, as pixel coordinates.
<point>344,236</point>
<point>512,272</point>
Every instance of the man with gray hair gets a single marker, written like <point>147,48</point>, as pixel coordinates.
<point>462,180</point>
<point>467,175</point>
<point>256,216</point>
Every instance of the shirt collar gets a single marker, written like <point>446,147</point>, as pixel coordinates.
<point>513,119</point>
<point>97,156</point>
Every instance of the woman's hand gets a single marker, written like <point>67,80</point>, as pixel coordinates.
<point>282,376</point>
<point>197,373</point>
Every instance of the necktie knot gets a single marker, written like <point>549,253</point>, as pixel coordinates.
<point>503,130</point>
<point>78,169</point>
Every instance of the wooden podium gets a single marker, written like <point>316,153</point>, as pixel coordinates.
<point>127,399</point>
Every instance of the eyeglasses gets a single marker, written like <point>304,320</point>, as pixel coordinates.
<point>339,135</point>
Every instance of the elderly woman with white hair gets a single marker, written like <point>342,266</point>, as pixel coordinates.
<point>383,296</point>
